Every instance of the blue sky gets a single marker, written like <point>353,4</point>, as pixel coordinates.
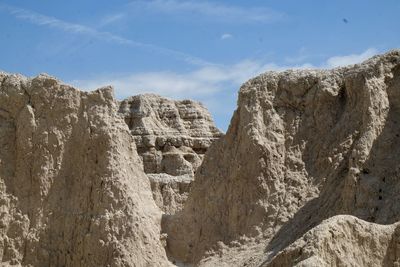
<point>200,50</point>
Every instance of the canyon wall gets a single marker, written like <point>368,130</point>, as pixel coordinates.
<point>72,187</point>
<point>303,146</point>
<point>306,175</point>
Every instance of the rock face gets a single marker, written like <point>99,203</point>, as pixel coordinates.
<point>170,192</point>
<point>172,138</point>
<point>307,174</point>
<point>303,146</point>
<point>343,241</point>
<point>72,188</point>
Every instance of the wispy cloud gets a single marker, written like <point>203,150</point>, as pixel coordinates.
<point>75,28</point>
<point>212,10</point>
<point>42,20</point>
<point>226,36</point>
<point>204,81</point>
<point>301,56</point>
<point>110,19</point>
<point>338,61</point>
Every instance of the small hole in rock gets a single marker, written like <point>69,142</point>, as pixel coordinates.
<point>365,171</point>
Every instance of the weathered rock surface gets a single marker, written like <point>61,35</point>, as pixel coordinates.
<point>171,137</point>
<point>72,188</point>
<point>303,146</point>
<point>343,240</point>
<point>170,192</point>
<point>307,174</point>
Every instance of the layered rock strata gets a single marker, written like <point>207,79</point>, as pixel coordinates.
<point>172,138</point>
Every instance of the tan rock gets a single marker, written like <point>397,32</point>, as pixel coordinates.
<point>72,189</point>
<point>170,192</point>
<point>172,138</point>
<point>307,174</point>
<point>303,146</point>
<point>343,240</point>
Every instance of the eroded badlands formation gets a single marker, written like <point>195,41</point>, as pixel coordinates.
<point>306,175</point>
<point>72,188</point>
<point>171,137</point>
<point>302,147</point>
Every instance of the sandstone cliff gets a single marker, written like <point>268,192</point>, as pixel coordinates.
<point>72,188</point>
<point>171,137</point>
<point>302,146</point>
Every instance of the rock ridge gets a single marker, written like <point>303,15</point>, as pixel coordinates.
<point>72,188</point>
<point>302,147</point>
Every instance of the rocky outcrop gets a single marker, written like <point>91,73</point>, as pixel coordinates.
<point>343,240</point>
<point>303,146</point>
<point>171,137</point>
<point>307,174</point>
<point>72,188</point>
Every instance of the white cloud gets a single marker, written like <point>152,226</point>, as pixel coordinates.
<point>169,84</point>
<point>212,10</point>
<point>204,81</point>
<point>74,28</point>
<point>110,19</point>
<point>226,36</point>
<point>339,61</point>
<point>42,20</point>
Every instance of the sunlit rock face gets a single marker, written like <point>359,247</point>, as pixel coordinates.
<point>171,137</point>
<point>302,147</point>
<point>72,188</point>
<point>306,175</point>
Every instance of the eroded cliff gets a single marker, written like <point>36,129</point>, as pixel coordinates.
<point>306,175</point>
<point>171,138</point>
<point>72,188</point>
<point>303,146</point>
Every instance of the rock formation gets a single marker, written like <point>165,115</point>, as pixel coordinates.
<point>306,175</point>
<point>72,188</point>
<point>343,240</point>
<point>172,138</point>
<point>303,146</point>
